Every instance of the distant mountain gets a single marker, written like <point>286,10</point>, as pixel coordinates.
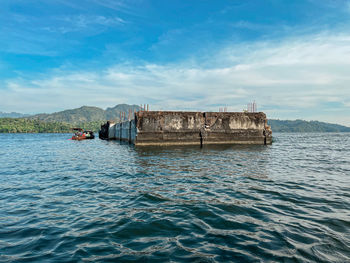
<point>94,116</point>
<point>12,115</point>
<point>305,126</point>
<point>86,114</point>
<point>114,113</point>
<point>79,115</point>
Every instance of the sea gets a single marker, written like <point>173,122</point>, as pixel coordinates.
<point>106,201</point>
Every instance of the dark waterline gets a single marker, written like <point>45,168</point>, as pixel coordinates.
<point>68,201</point>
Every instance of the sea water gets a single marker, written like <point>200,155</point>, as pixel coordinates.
<point>105,201</point>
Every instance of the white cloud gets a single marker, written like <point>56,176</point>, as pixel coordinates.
<point>75,23</point>
<point>82,21</point>
<point>296,77</point>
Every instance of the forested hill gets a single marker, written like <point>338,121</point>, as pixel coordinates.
<point>305,126</point>
<point>89,118</point>
<point>86,114</point>
<point>23,125</point>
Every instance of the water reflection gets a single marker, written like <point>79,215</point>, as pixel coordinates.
<point>216,160</point>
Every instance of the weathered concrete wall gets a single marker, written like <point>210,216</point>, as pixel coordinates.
<point>193,128</point>
<point>125,131</point>
<point>235,128</point>
<point>165,128</point>
<point>117,131</point>
<point>133,131</point>
<point>111,130</point>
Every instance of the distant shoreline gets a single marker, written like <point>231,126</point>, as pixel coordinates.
<point>91,118</point>
<point>25,125</point>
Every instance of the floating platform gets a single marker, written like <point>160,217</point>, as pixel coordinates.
<point>190,128</point>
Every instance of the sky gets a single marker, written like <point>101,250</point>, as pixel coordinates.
<point>291,57</point>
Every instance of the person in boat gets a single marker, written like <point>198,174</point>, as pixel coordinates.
<point>80,134</point>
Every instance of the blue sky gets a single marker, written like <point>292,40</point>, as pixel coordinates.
<point>291,57</point>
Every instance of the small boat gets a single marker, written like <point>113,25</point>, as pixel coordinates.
<point>80,134</point>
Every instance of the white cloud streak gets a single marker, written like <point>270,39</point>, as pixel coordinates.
<point>296,78</point>
<point>84,22</point>
<point>42,35</point>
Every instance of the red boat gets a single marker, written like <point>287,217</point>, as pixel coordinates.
<point>80,134</point>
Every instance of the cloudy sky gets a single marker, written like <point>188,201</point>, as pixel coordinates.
<point>291,57</point>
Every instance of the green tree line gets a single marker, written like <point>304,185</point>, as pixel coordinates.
<point>22,125</point>
<point>25,125</point>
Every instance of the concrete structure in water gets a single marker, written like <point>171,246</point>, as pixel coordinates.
<point>191,128</point>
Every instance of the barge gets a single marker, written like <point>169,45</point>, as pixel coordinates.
<point>149,128</point>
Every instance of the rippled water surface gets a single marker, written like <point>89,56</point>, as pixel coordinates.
<point>101,201</point>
